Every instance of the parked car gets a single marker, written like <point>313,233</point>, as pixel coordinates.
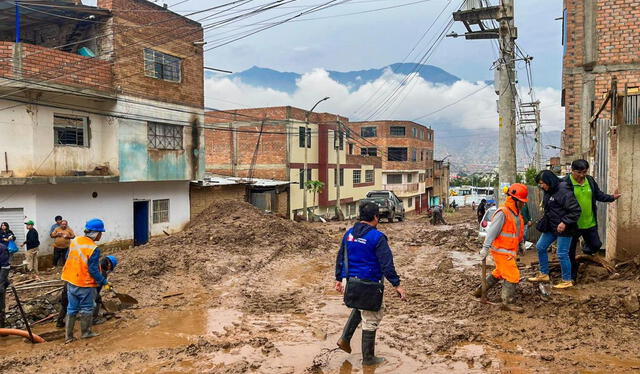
<point>390,205</point>
<point>486,221</point>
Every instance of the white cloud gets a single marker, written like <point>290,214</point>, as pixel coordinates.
<point>477,111</point>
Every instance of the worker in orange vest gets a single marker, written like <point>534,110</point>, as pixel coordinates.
<point>82,273</point>
<point>504,237</point>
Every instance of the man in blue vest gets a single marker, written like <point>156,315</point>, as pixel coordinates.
<point>369,258</point>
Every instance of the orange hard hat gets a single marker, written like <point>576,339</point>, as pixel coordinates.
<point>519,191</point>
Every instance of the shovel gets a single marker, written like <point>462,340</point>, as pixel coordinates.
<point>483,297</point>
<point>124,298</point>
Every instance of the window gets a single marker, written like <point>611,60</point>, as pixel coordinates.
<point>421,134</point>
<point>301,177</point>
<point>409,178</point>
<point>70,130</point>
<point>397,130</point>
<point>421,155</point>
<point>394,178</point>
<point>163,136</point>
<point>415,132</point>
<point>335,177</point>
<point>161,211</point>
<point>397,154</point>
<point>161,65</point>
<point>350,148</point>
<point>421,177</point>
<point>414,154</point>
<point>410,202</point>
<point>368,132</point>
<point>357,176</point>
<point>338,139</point>
<point>369,176</point>
<point>370,151</point>
<point>301,137</point>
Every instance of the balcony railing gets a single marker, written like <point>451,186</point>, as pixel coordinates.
<point>402,188</point>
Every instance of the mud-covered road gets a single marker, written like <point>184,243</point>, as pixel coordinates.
<point>257,297</point>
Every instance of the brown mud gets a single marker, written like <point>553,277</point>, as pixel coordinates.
<point>257,297</point>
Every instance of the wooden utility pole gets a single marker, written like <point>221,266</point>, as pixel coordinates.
<point>473,15</point>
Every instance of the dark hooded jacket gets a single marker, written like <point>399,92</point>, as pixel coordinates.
<point>4,256</point>
<point>596,194</point>
<point>560,205</point>
<point>376,261</point>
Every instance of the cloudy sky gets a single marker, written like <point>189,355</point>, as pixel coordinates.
<point>359,34</point>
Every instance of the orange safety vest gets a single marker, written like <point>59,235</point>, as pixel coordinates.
<point>512,231</point>
<point>76,268</point>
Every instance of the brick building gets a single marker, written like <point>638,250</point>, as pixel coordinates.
<point>104,109</point>
<point>406,149</point>
<point>270,143</point>
<point>602,42</point>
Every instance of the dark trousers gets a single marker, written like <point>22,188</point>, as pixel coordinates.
<point>4,283</point>
<point>59,256</point>
<point>64,301</point>
<point>592,245</point>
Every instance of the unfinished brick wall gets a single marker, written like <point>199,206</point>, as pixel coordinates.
<point>51,66</point>
<point>384,140</point>
<point>140,24</point>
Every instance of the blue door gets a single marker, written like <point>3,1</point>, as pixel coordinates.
<point>140,222</point>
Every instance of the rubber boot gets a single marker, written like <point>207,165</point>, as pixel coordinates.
<point>86,320</point>
<point>97,320</point>
<point>369,349</point>
<point>70,324</point>
<point>491,281</point>
<point>350,327</point>
<point>508,295</point>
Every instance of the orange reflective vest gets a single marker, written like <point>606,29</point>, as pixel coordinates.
<point>76,268</point>
<point>512,231</point>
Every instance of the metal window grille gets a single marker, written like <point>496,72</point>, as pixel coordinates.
<point>369,176</point>
<point>357,176</point>
<point>369,132</point>
<point>161,211</point>
<point>301,137</point>
<point>68,130</point>
<point>397,130</point>
<point>631,110</point>
<point>162,66</point>
<point>164,136</point>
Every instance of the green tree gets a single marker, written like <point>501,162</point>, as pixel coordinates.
<point>315,187</point>
<point>530,176</point>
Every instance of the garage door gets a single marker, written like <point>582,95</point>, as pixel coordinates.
<point>15,218</point>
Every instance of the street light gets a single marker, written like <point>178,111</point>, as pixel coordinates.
<point>307,141</point>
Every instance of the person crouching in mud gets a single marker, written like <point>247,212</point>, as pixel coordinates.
<point>503,239</point>
<point>368,258</point>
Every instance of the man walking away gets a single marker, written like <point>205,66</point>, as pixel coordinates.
<point>503,239</point>
<point>32,242</point>
<point>587,193</point>
<point>369,258</point>
<point>62,236</point>
<point>58,220</point>
<point>4,280</point>
<point>82,273</point>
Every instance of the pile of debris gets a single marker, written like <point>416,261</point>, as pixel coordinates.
<point>228,237</point>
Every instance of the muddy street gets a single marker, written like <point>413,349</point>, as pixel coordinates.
<point>240,291</point>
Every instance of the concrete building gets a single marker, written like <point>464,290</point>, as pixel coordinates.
<point>601,80</point>
<point>101,117</point>
<point>270,143</point>
<point>406,149</point>
<point>441,181</point>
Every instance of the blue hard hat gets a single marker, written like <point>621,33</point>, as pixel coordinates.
<point>114,261</point>
<point>94,224</point>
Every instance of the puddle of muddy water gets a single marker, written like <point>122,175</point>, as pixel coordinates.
<point>463,260</point>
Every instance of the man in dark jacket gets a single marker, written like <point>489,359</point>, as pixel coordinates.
<point>369,258</point>
<point>587,193</point>
<point>4,280</point>
<point>32,242</point>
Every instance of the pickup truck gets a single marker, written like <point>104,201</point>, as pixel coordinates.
<point>390,205</point>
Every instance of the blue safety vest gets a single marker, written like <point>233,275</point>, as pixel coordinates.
<point>363,262</point>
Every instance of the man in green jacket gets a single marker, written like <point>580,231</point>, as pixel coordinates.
<point>587,193</point>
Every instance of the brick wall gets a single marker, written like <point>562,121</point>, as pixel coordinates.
<point>384,140</point>
<point>163,31</point>
<point>53,66</point>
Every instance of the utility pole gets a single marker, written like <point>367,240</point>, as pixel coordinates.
<point>337,141</point>
<point>530,113</point>
<point>307,144</point>
<point>475,13</point>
